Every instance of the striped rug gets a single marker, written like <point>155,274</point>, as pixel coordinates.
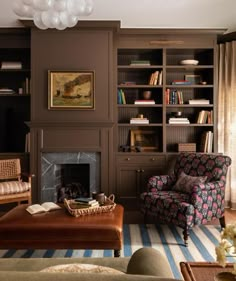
<point>168,239</point>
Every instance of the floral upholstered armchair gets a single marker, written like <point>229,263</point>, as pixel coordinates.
<point>192,195</point>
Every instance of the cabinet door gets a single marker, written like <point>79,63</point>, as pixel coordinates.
<point>128,186</point>
<point>145,173</point>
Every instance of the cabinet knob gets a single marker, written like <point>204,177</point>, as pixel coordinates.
<point>128,159</point>
<point>142,170</point>
<point>138,171</point>
<point>153,159</point>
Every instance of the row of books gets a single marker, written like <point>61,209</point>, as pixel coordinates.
<point>121,97</point>
<point>206,144</point>
<point>205,116</point>
<point>174,97</point>
<point>155,78</point>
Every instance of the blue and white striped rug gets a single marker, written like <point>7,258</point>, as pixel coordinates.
<point>168,239</point>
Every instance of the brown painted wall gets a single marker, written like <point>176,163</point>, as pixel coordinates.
<point>72,130</point>
<point>71,50</point>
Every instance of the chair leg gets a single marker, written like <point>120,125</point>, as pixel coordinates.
<point>186,234</point>
<point>145,218</point>
<point>222,222</point>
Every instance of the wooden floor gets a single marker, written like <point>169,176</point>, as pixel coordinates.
<point>230,216</point>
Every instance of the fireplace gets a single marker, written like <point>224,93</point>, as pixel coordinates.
<point>74,181</point>
<point>77,174</point>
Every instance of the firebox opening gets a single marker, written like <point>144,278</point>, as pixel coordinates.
<point>74,181</point>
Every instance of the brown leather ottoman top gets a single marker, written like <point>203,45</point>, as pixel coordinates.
<point>58,229</point>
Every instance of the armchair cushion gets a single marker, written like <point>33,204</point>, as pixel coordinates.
<point>185,183</point>
<point>12,187</point>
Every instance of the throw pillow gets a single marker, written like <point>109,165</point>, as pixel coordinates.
<point>81,268</point>
<point>185,182</point>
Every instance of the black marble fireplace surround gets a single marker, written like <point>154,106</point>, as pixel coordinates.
<point>52,164</point>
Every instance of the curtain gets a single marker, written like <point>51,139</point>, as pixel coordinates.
<point>226,114</point>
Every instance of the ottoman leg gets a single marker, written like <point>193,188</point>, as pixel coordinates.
<point>116,253</point>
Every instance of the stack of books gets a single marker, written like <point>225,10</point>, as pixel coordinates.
<point>181,82</point>
<point>140,63</point>
<point>144,102</point>
<point>11,65</point>
<point>139,120</point>
<point>5,91</point>
<point>199,101</point>
<point>85,203</point>
<point>178,120</point>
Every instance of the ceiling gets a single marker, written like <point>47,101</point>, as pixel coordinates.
<point>210,14</point>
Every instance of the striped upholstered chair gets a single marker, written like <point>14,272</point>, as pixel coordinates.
<point>194,194</point>
<point>12,187</point>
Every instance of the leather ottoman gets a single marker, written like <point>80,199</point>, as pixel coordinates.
<point>59,230</point>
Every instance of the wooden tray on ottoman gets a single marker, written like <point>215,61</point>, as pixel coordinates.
<point>202,271</point>
<point>108,206</point>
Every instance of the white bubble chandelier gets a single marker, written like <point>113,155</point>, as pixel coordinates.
<point>58,14</point>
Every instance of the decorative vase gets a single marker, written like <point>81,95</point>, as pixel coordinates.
<point>147,95</point>
<point>225,276</point>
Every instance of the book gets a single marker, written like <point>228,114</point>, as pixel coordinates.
<point>43,208</point>
<point>123,99</point>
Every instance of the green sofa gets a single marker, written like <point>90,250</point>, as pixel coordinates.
<point>145,264</point>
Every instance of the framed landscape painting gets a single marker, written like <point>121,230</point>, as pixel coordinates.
<point>70,90</point>
<point>146,140</point>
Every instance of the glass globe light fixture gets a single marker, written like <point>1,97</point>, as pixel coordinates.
<point>58,14</point>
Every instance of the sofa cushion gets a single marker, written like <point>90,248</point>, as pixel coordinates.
<point>81,268</point>
<point>11,187</point>
<point>185,182</point>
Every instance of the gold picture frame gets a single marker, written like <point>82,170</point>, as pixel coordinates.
<point>145,139</point>
<point>71,89</point>
<point>193,79</point>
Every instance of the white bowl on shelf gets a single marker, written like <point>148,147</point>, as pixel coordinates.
<point>189,62</point>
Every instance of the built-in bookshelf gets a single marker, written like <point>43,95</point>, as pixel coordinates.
<point>14,90</point>
<point>179,88</point>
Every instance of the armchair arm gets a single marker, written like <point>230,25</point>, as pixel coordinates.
<point>206,192</point>
<point>162,182</point>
